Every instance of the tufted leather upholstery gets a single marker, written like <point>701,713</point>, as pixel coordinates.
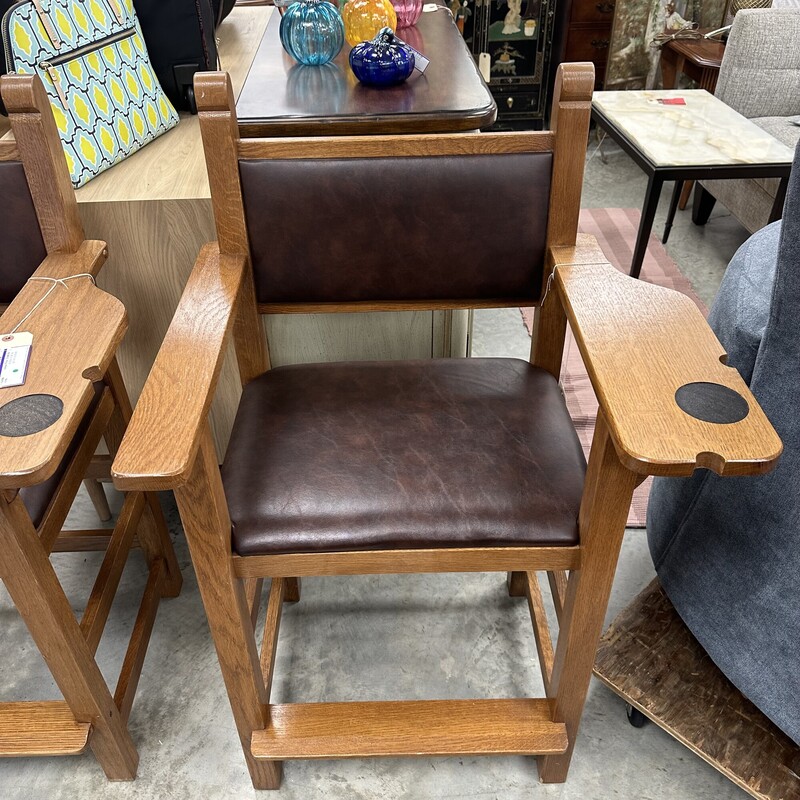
<point>439,453</point>
<point>446,228</point>
<point>23,248</point>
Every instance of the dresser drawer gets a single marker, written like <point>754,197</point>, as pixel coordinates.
<point>511,104</point>
<point>588,44</point>
<point>592,11</point>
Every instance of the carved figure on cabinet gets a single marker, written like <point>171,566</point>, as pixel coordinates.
<point>505,60</point>
<point>513,19</point>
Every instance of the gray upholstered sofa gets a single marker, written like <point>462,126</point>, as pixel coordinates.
<point>727,552</point>
<point>759,78</point>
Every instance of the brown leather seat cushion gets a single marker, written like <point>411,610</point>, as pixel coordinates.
<point>373,455</point>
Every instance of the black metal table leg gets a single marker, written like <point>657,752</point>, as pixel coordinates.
<point>673,207</point>
<point>654,185</point>
<point>777,207</point>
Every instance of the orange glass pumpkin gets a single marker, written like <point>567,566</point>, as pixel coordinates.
<point>364,18</point>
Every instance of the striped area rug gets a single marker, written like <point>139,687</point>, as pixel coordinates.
<point>615,230</point>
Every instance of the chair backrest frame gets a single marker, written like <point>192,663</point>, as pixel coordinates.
<point>224,149</point>
<point>38,146</point>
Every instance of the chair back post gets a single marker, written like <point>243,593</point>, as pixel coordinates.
<point>569,118</point>
<point>44,163</point>
<point>220,131</point>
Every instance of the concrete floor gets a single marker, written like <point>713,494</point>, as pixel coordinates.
<point>371,638</point>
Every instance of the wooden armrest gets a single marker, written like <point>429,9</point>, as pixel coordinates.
<point>161,442</point>
<point>89,258</point>
<point>76,331</point>
<point>640,344</point>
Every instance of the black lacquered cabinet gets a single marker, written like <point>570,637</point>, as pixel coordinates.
<point>522,39</point>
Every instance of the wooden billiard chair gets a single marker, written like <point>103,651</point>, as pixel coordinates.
<point>454,465</point>
<point>50,427</point>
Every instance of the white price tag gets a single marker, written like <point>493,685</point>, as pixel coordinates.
<point>485,66</point>
<point>15,355</point>
<point>420,61</point>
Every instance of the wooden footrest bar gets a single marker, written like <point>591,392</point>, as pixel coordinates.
<point>41,729</point>
<point>409,728</point>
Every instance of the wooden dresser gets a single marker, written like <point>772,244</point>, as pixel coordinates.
<point>589,34</point>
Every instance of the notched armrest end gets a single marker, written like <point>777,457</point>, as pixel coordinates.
<point>658,371</point>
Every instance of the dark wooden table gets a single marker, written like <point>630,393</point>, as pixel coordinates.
<point>283,98</point>
<point>699,59</point>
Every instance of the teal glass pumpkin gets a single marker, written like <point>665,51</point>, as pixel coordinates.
<point>312,31</point>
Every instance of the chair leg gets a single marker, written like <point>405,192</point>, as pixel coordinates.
<point>153,534</point>
<point>40,600</point>
<point>98,497</point>
<point>604,508</point>
<point>204,513</point>
<point>292,591</point>
<point>515,582</point>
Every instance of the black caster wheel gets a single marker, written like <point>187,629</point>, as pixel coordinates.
<point>190,99</point>
<point>635,717</point>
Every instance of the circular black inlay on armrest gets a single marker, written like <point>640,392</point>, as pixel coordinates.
<point>29,414</point>
<point>711,402</point>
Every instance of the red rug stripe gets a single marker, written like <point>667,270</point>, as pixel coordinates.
<point>615,230</point>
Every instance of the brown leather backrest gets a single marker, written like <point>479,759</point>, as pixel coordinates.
<point>22,249</point>
<point>463,227</point>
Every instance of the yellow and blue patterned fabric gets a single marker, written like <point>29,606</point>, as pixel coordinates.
<point>91,57</point>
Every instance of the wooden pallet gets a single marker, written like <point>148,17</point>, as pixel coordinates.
<point>651,660</point>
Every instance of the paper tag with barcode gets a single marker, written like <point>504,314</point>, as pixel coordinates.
<point>15,355</point>
<point>420,61</point>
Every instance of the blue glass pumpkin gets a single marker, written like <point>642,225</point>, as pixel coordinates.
<point>383,61</point>
<point>312,31</point>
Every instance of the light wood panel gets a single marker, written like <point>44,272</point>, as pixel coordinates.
<point>640,344</point>
<point>405,728</point>
<point>41,729</point>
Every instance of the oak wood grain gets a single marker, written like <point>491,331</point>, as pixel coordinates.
<point>404,728</point>
<point>640,343</point>
<point>415,145</point>
<point>272,625</point>
<point>204,513</point>
<point>34,587</point>
<point>76,331</point>
<point>105,586</point>
<point>395,562</point>
<point>36,728</point>
<point>43,160</point>
<point>131,670</point>
<point>541,629</point>
<point>569,119</point>
<point>607,494</point>
<point>164,433</point>
<point>220,135</point>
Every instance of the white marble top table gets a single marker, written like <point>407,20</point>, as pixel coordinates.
<point>705,131</point>
<point>701,139</point>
